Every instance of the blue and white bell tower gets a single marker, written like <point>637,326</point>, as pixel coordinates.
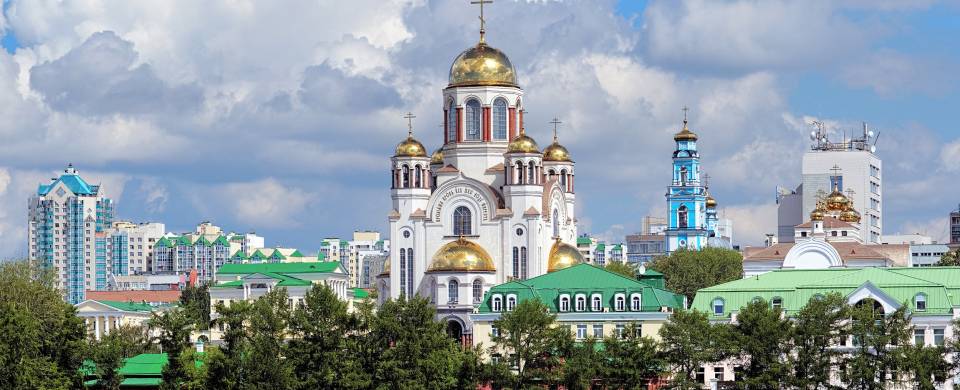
<point>687,225</point>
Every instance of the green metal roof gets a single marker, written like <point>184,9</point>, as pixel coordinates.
<point>584,279</point>
<point>239,255</point>
<point>280,268</point>
<point>128,306</point>
<point>360,293</point>
<point>296,253</point>
<point>163,242</point>
<point>222,240</point>
<point>601,246</point>
<point>144,370</point>
<point>583,241</point>
<point>203,241</point>
<point>940,285</point>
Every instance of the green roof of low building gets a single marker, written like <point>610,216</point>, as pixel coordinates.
<point>280,268</point>
<point>939,285</point>
<point>583,241</point>
<point>584,279</point>
<point>360,293</point>
<point>144,370</point>
<point>128,306</point>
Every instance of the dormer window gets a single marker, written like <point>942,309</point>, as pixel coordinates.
<point>511,302</point>
<point>718,306</point>
<point>496,303</point>
<point>920,301</point>
<point>564,302</point>
<point>596,303</point>
<point>581,303</point>
<point>635,301</point>
<point>620,302</point>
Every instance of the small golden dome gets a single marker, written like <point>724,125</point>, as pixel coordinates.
<point>463,256</point>
<point>818,213</point>
<point>437,157</point>
<point>850,215</point>
<point>711,202</point>
<point>556,152</point>
<point>685,134</point>
<point>482,65</point>
<point>386,267</point>
<point>563,255</point>
<point>410,147</point>
<point>837,201</point>
<point>523,144</point>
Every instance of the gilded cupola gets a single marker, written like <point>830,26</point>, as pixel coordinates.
<point>818,213</point>
<point>523,144</point>
<point>482,65</point>
<point>711,202</point>
<point>410,147</point>
<point>437,157</point>
<point>556,152</point>
<point>562,256</point>
<point>461,255</point>
<point>685,134</point>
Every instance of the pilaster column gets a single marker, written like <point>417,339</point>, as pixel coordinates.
<point>96,327</point>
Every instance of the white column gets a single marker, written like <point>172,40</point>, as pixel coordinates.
<point>106,325</point>
<point>96,327</point>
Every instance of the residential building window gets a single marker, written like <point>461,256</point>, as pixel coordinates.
<point>598,331</point>
<point>919,337</point>
<point>500,119</point>
<point>701,377</point>
<point>938,337</point>
<point>596,303</point>
<point>776,302</point>
<point>619,302</point>
<point>921,302</point>
<point>618,331</point>
<point>497,303</point>
<point>718,306</point>
<point>718,373</point>
<point>635,302</point>
<point>453,291</point>
<point>477,291</point>
<point>511,302</point>
<point>494,331</point>
<point>581,303</point>
<point>461,221</point>
<point>473,121</point>
<point>564,303</point>
<point>581,332</point>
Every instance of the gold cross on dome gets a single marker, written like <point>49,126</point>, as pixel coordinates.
<point>555,122</point>
<point>482,20</point>
<point>706,180</point>
<point>685,109</point>
<point>409,117</point>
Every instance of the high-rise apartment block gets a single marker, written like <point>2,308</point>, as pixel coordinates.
<point>353,255</point>
<point>67,228</point>
<point>955,228</point>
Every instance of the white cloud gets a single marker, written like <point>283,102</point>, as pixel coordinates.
<point>267,202</point>
<point>950,156</point>
<point>751,222</point>
<point>938,229</point>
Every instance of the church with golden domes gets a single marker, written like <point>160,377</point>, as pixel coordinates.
<point>487,207</point>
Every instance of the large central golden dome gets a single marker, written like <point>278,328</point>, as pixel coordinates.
<point>462,255</point>
<point>482,65</point>
<point>563,255</point>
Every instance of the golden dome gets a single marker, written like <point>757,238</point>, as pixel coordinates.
<point>711,202</point>
<point>685,134</point>
<point>462,255</point>
<point>837,201</point>
<point>850,215</point>
<point>562,256</point>
<point>556,152</point>
<point>482,65</point>
<point>410,147</point>
<point>523,144</point>
<point>437,157</point>
<point>818,213</point>
<point>386,267</point>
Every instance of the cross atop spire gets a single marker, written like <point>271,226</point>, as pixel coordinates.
<point>523,113</point>
<point>836,172</point>
<point>483,21</point>
<point>706,180</point>
<point>409,117</point>
<point>555,122</point>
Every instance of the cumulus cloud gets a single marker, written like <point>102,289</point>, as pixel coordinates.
<point>330,90</point>
<point>266,202</point>
<point>950,156</point>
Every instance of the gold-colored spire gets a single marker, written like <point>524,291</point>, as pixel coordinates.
<point>685,134</point>
<point>483,21</point>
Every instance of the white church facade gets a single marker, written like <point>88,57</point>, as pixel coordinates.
<point>487,207</point>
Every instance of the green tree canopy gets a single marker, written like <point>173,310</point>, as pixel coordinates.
<point>950,258</point>
<point>687,271</point>
<point>687,342</point>
<point>631,361</point>
<point>625,269</point>
<point>530,341</point>
<point>872,365</point>
<point>818,328</point>
<point>762,337</point>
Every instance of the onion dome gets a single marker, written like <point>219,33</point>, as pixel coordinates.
<point>711,202</point>
<point>556,152</point>
<point>482,65</point>
<point>462,255</point>
<point>685,134</point>
<point>562,256</point>
<point>818,213</point>
<point>386,268</point>
<point>437,157</point>
<point>410,147</point>
<point>837,201</point>
<point>850,215</point>
<point>523,144</point>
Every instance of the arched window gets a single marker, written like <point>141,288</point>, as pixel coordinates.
<point>564,302</point>
<point>556,223</point>
<point>581,303</point>
<point>473,121</point>
<point>596,303</point>
<point>920,301</point>
<point>523,262</point>
<point>718,306</point>
<point>418,177</point>
<point>635,302</point>
<point>776,302</point>
<point>453,291</point>
<point>563,178</point>
<point>620,303</point>
<point>518,178</point>
<point>499,119</point>
<point>531,174</point>
<point>497,303</point>
<point>406,177</point>
<point>511,302</point>
<point>461,221</point>
<point>451,122</point>
<point>683,176</point>
<point>516,262</point>
<point>682,217</point>
<point>410,272</point>
<point>477,291</point>
<point>403,271</point>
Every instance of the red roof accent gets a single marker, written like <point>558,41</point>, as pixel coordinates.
<point>165,296</point>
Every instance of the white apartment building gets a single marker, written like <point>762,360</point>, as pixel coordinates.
<point>130,247</point>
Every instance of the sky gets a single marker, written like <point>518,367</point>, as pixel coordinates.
<point>282,119</point>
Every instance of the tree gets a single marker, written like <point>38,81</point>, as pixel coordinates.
<point>950,258</point>
<point>195,300</point>
<point>582,364</point>
<point>318,347</point>
<point>630,360</point>
<point>625,269</point>
<point>688,341</point>
<point>818,328</point>
<point>926,366</point>
<point>109,353</point>
<point>42,341</point>
<point>762,336</point>
<point>265,364</point>
<point>530,339</point>
<point>174,327</point>
<point>225,365</point>
<point>872,365</point>
<point>687,271</point>
<point>411,349</point>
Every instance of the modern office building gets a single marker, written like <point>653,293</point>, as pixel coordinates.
<point>353,253</point>
<point>955,228</point>
<point>68,220</point>
<point>926,255</point>
<point>642,248</point>
<point>850,164</point>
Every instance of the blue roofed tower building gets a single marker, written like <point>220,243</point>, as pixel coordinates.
<point>67,223</point>
<point>687,225</point>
